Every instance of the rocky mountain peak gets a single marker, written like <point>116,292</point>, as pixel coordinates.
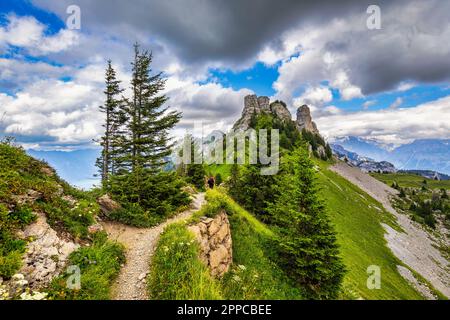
<point>254,105</point>
<point>304,120</point>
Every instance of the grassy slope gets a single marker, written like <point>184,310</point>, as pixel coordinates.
<point>179,274</point>
<point>99,263</point>
<point>223,169</point>
<point>361,237</point>
<point>410,180</point>
<point>258,277</point>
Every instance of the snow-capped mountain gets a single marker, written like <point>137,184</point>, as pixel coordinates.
<point>423,154</point>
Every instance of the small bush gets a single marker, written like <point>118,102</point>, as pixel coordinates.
<point>11,248</point>
<point>133,214</point>
<point>75,219</point>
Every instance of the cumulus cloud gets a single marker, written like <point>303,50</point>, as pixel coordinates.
<point>28,33</point>
<point>409,48</point>
<point>52,113</point>
<point>319,45</point>
<point>401,125</point>
<point>315,95</point>
<point>367,104</point>
<point>217,107</point>
<point>57,114</point>
<point>15,73</point>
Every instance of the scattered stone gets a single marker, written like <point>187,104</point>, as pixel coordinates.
<point>189,190</point>
<point>95,228</point>
<point>29,198</point>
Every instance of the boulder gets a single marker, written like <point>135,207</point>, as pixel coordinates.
<point>107,205</point>
<point>46,253</point>
<point>49,172</point>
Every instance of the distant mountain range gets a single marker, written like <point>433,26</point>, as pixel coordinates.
<point>76,167</point>
<point>364,163</point>
<point>423,154</point>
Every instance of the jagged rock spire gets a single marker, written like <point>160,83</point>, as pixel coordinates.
<point>304,120</point>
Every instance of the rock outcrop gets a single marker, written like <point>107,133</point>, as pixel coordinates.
<point>214,237</point>
<point>280,110</point>
<point>304,120</point>
<point>107,205</point>
<point>46,254</point>
<point>251,108</point>
<point>254,106</point>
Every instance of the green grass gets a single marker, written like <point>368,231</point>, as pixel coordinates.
<point>357,218</point>
<point>20,174</point>
<point>254,274</point>
<point>99,265</point>
<point>223,169</point>
<point>410,180</point>
<point>177,273</point>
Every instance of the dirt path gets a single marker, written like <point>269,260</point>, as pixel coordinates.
<point>140,245</point>
<point>414,247</point>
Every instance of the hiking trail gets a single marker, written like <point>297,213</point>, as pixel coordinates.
<point>140,245</point>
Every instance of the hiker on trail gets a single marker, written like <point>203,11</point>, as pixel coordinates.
<point>211,182</point>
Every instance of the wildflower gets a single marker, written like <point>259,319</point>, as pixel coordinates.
<point>21,282</point>
<point>242,267</point>
<point>18,276</point>
<point>236,278</point>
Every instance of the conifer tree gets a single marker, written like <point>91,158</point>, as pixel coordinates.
<point>143,143</point>
<point>147,143</point>
<point>306,241</point>
<point>112,112</point>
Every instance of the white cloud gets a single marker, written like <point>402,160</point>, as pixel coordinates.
<point>315,95</point>
<point>28,33</point>
<point>397,103</point>
<point>54,112</point>
<point>367,104</point>
<point>398,126</point>
<point>211,103</point>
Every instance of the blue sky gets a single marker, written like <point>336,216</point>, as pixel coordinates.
<point>391,84</point>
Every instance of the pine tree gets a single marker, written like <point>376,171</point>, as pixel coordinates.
<point>142,145</point>
<point>112,112</point>
<point>306,241</point>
